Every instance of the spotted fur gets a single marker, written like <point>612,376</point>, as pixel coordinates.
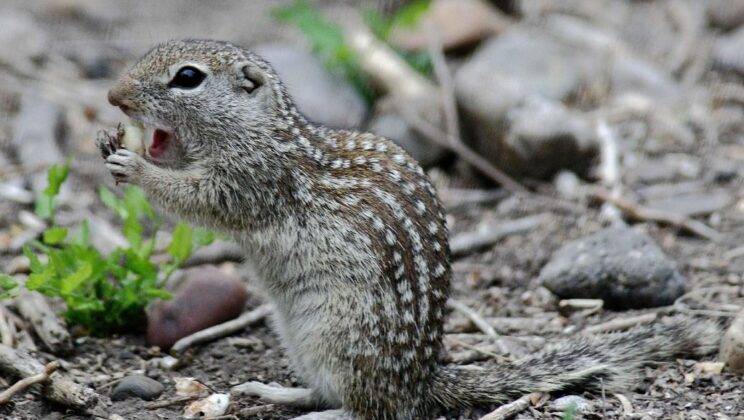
<point>344,232</point>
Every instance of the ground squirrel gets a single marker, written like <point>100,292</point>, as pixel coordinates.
<point>345,234</point>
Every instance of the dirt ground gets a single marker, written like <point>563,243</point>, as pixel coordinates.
<point>497,282</point>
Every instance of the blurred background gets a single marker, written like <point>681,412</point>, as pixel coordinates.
<point>549,119</point>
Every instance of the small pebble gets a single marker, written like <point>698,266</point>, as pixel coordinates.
<point>212,406</point>
<point>572,402</point>
<point>188,386</point>
<point>137,386</point>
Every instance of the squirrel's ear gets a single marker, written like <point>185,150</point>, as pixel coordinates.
<point>252,78</point>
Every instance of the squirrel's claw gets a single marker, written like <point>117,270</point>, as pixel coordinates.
<point>124,165</point>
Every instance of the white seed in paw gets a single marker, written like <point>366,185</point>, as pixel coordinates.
<point>132,139</point>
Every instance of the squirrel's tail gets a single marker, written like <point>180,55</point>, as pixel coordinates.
<point>609,361</point>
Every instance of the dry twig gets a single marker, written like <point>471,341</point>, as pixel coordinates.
<point>645,214</point>
<point>58,389</point>
<point>513,408</point>
<point>24,383</point>
<point>154,405</point>
<point>467,242</point>
<point>223,329</point>
<point>619,324</point>
<point>48,326</point>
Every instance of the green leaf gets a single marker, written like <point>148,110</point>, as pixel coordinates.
<point>180,246</point>
<point>44,206</point>
<point>54,235</point>
<point>132,230</point>
<point>135,201</point>
<point>410,14</point>
<point>70,283</point>
<point>204,237</point>
<point>109,199</point>
<point>41,281</point>
<point>157,293</point>
<point>82,235</point>
<point>35,264</point>
<point>7,282</point>
<point>56,177</point>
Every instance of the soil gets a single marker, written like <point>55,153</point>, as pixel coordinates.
<point>498,281</point>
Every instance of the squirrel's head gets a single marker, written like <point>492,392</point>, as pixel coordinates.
<point>191,93</point>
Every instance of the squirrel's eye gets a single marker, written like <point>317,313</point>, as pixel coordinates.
<point>187,78</point>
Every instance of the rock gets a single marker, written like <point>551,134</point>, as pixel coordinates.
<point>667,168</point>
<point>38,127</point>
<point>623,267</point>
<point>725,14</point>
<point>732,345</point>
<point>212,406</point>
<point>457,23</point>
<point>137,386</point>
<point>206,298</point>
<point>492,88</point>
<point>543,137</point>
<point>395,128</point>
<point>631,74</point>
<point>534,61</point>
<point>567,185</point>
<point>727,52</point>
<point>186,386</point>
<point>575,403</point>
<point>22,39</point>
<point>320,95</point>
<point>537,138</point>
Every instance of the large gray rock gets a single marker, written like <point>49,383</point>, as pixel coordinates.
<point>543,138</point>
<point>629,72</point>
<point>492,88</point>
<point>619,265</point>
<point>394,127</point>
<point>529,59</point>
<point>38,128</point>
<point>728,52</point>
<point>320,95</point>
<point>537,138</point>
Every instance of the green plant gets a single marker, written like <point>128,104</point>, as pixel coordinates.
<point>407,17</point>
<point>103,293</point>
<point>569,413</point>
<point>327,39</point>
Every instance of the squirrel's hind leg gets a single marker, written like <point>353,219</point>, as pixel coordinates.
<point>327,415</point>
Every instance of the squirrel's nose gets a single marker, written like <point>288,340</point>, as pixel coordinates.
<point>116,95</point>
<point>119,94</point>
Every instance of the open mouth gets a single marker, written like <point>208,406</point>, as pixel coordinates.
<point>159,143</point>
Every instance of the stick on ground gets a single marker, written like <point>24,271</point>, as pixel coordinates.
<point>48,326</point>
<point>221,330</point>
<point>18,364</point>
<point>24,383</point>
<point>645,214</point>
<point>506,411</point>
<point>467,242</point>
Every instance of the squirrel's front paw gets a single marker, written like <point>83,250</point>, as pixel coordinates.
<point>125,166</point>
<point>109,141</point>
